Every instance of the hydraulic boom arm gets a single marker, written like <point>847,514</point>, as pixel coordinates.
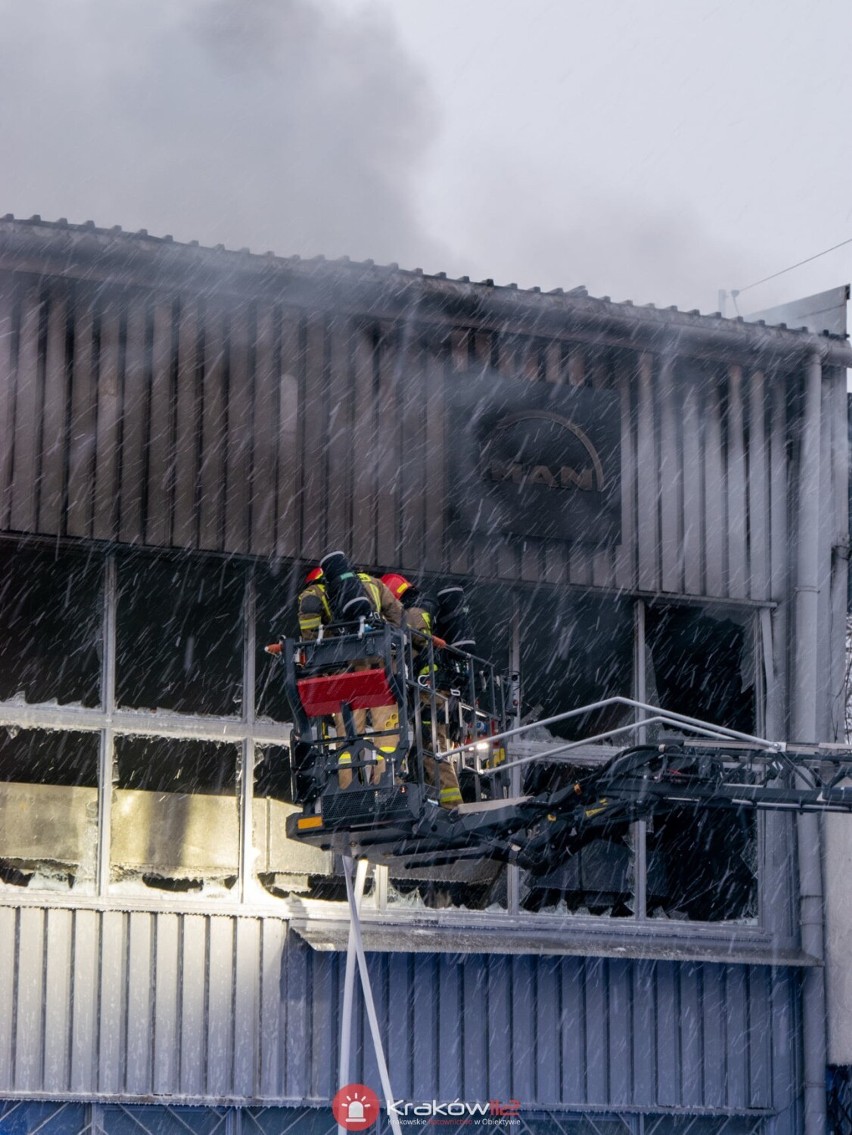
<point>341,677</point>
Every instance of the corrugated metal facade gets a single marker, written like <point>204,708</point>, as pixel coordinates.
<point>200,1007</point>
<point>266,411</point>
<point>174,397</point>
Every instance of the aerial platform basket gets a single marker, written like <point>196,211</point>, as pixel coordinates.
<point>433,697</point>
<point>362,689</point>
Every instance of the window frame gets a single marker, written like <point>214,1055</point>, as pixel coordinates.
<point>249,733</point>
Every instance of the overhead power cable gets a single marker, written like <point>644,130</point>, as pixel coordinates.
<point>738,291</point>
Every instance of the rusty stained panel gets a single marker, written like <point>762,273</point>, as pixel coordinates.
<point>213,1007</point>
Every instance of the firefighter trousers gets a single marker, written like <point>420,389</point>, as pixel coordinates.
<point>441,774</point>
<point>384,720</point>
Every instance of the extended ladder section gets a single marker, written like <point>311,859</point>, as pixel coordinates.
<point>448,708</point>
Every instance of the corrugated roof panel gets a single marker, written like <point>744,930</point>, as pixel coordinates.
<point>87,237</point>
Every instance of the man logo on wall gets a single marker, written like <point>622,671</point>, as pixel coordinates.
<point>524,435</point>
<point>533,459</point>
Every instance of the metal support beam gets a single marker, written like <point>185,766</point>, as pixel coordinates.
<point>142,723</point>
<point>247,751</point>
<point>672,718</point>
<point>804,722</point>
<point>107,740</point>
<point>513,873</point>
<point>640,828</point>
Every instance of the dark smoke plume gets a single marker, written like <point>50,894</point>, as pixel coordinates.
<point>282,124</point>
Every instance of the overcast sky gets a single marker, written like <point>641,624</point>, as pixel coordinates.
<point>657,152</point>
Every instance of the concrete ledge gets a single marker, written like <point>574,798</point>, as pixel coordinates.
<point>473,932</point>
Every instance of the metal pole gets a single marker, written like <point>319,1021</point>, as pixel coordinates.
<point>247,753</point>
<point>674,718</point>
<point>716,733</point>
<point>105,756</point>
<point>640,828</point>
<point>366,989</point>
<point>349,981</point>
<point>513,875</point>
<point>805,728</point>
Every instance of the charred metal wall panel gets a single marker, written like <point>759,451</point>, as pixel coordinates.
<point>206,1007</point>
<point>217,412</point>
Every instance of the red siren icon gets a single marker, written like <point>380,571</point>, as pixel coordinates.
<point>355,1107</point>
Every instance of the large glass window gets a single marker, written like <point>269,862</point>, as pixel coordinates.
<point>284,866</point>
<point>50,625</point>
<point>48,809</point>
<point>576,648</point>
<point>175,815</point>
<point>179,635</point>
<point>701,663</point>
<point>128,665</point>
<point>147,1119</point>
<point>702,863</point>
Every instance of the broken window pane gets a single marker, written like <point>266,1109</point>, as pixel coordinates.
<point>48,809</point>
<point>449,881</point>
<point>179,635</point>
<point>576,649</point>
<point>175,813</point>
<point>702,863</point>
<point>50,625</point>
<point>702,663</point>
<point>580,873</point>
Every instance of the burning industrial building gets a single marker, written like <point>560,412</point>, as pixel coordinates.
<point>641,504</point>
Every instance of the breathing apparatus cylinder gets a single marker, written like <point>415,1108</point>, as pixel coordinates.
<point>453,622</point>
<point>426,603</point>
<point>346,595</point>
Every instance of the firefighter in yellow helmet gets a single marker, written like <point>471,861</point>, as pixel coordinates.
<point>419,616</point>
<point>314,612</point>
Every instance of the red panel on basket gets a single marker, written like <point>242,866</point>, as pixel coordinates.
<point>362,690</point>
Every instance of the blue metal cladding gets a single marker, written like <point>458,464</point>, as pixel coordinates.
<point>50,1118</point>
<point>575,1032</point>
<point>236,1009</point>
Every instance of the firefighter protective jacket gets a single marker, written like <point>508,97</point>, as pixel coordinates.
<point>315,609</point>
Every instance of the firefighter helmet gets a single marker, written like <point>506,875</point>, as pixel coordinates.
<point>314,575</point>
<point>396,584</point>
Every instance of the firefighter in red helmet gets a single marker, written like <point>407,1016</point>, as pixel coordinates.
<point>314,607</point>
<point>419,613</point>
<point>314,612</point>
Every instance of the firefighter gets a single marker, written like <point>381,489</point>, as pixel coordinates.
<point>419,616</point>
<point>314,612</point>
